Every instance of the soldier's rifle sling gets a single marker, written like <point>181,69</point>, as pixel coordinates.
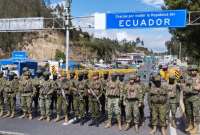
<point>97,98</point>
<point>63,94</point>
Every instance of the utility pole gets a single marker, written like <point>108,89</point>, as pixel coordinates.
<point>67,28</point>
<point>180,47</point>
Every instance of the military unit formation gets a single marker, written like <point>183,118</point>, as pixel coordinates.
<point>78,98</point>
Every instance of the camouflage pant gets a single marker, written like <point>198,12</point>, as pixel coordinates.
<point>192,108</point>
<point>113,108</point>
<point>159,114</point>
<point>11,102</point>
<point>132,111</point>
<point>173,105</point>
<point>61,102</point>
<point>1,103</point>
<point>94,107</point>
<point>79,106</point>
<point>26,102</point>
<point>45,102</point>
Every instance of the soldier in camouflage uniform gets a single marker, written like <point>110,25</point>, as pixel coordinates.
<point>159,106</point>
<point>36,84</point>
<point>192,101</point>
<point>54,95</point>
<point>79,99</point>
<point>104,80</point>
<point>10,94</point>
<point>2,86</point>
<point>27,91</point>
<point>113,96</point>
<point>46,91</point>
<point>133,100</point>
<point>174,98</point>
<point>95,92</point>
<point>63,92</point>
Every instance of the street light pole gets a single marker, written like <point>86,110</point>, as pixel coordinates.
<point>67,28</point>
<point>180,47</point>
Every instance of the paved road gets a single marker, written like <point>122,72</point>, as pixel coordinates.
<point>35,127</point>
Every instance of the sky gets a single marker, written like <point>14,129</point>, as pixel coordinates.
<point>153,38</point>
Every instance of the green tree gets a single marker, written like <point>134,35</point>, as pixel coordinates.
<point>189,36</point>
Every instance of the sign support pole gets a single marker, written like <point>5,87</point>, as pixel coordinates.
<point>67,28</point>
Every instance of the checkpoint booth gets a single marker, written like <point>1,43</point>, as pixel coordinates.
<point>18,60</point>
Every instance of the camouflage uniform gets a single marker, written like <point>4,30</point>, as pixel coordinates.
<point>159,106</point>
<point>46,91</point>
<point>95,92</point>
<point>2,86</point>
<point>133,100</point>
<point>54,95</point>
<point>174,98</point>
<point>113,95</point>
<point>63,92</point>
<point>27,91</point>
<point>36,84</point>
<point>10,92</point>
<point>79,99</point>
<point>192,103</point>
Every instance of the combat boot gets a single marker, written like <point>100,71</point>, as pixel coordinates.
<point>57,118</point>
<point>109,124</point>
<point>92,122</point>
<point>7,115</point>
<point>12,115</point>
<point>190,127</point>
<point>30,117</point>
<point>163,131</point>
<point>119,125</point>
<point>195,129</point>
<point>48,119</point>
<point>127,126</point>
<point>66,119</point>
<point>41,118</point>
<point>136,128</point>
<point>23,116</point>
<point>153,131</point>
<point>1,113</point>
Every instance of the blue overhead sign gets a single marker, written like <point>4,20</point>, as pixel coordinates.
<point>154,19</point>
<point>19,55</point>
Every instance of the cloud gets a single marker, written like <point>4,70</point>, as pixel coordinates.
<point>154,3</point>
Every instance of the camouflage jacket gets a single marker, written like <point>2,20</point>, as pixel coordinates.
<point>2,84</point>
<point>65,86</point>
<point>95,88</point>
<point>133,92</point>
<point>113,89</point>
<point>46,88</point>
<point>26,87</point>
<point>158,95</point>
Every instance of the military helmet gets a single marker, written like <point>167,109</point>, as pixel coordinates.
<point>193,68</point>
<point>25,69</point>
<point>39,71</point>
<point>132,77</point>
<point>157,78</point>
<point>46,73</point>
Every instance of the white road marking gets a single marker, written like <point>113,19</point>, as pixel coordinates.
<point>11,133</point>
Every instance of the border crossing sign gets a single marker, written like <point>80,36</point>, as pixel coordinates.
<point>153,19</point>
